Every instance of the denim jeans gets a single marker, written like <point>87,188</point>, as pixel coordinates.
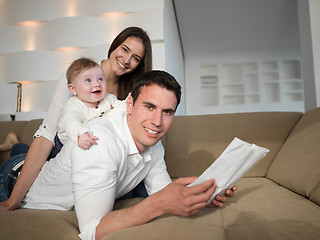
<point>18,148</point>
<point>138,191</point>
<point>56,149</point>
<point>9,172</point>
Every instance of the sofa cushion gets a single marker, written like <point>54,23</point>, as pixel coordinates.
<point>194,142</point>
<point>297,165</point>
<point>29,224</point>
<point>252,214</point>
<point>26,135</point>
<point>263,209</point>
<point>207,224</point>
<point>170,228</point>
<point>315,196</point>
<point>6,127</point>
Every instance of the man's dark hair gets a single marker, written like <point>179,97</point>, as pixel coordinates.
<point>160,78</point>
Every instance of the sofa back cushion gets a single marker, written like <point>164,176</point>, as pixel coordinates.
<point>6,127</point>
<point>315,196</point>
<point>194,142</point>
<point>26,135</point>
<point>297,165</point>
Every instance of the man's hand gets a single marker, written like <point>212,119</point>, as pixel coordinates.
<point>219,200</point>
<point>178,199</point>
<point>86,140</point>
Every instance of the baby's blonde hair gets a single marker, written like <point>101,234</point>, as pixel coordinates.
<point>78,66</point>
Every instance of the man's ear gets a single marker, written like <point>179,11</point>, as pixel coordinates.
<point>72,89</point>
<point>129,103</point>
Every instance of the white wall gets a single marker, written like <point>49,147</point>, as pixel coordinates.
<point>307,54</point>
<point>238,31</point>
<point>32,52</point>
<point>174,61</point>
<point>314,6</point>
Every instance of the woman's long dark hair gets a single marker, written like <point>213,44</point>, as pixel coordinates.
<point>126,81</point>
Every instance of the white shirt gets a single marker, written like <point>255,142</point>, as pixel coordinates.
<point>76,114</point>
<point>99,175</point>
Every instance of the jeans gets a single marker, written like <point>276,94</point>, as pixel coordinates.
<point>9,172</point>
<point>57,147</point>
<point>10,169</point>
<point>138,191</point>
<point>18,148</point>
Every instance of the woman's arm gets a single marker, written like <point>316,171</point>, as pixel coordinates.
<point>40,147</point>
<point>36,157</point>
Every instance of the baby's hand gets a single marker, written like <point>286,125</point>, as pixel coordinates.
<point>86,140</point>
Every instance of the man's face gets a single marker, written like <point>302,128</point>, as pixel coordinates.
<point>150,117</point>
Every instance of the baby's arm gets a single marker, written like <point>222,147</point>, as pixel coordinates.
<point>86,140</point>
<point>72,124</point>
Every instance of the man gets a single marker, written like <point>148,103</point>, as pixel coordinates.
<point>128,151</point>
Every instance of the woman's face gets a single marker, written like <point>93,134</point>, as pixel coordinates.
<point>127,56</point>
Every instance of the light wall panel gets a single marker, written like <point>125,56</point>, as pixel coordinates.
<point>40,65</point>
<point>79,31</point>
<point>17,11</point>
<point>105,6</point>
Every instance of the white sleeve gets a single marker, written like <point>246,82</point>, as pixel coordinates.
<point>118,104</point>
<point>49,126</point>
<point>158,177</point>
<point>72,123</point>
<point>94,176</point>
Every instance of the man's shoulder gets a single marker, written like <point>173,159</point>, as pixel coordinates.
<point>108,126</point>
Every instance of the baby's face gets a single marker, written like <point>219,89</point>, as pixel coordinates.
<point>90,86</point>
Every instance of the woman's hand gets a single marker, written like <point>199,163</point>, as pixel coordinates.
<point>8,206</point>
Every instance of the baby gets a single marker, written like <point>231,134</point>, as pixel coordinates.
<point>87,83</point>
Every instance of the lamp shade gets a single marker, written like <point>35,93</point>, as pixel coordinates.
<point>37,96</point>
<point>8,95</point>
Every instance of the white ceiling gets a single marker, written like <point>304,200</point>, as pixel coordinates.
<point>229,27</point>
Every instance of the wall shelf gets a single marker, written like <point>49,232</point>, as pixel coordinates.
<point>251,83</point>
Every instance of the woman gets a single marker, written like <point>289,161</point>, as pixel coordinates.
<point>129,56</point>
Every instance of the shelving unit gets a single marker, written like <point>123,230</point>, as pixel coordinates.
<point>251,83</point>
<point>209,85</point>
<point>292,84</point>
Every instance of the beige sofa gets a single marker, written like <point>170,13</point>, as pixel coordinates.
<point>278,199</point>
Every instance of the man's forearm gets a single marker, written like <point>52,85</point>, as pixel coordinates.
<point>141,213</point>
<point>175,199</point>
